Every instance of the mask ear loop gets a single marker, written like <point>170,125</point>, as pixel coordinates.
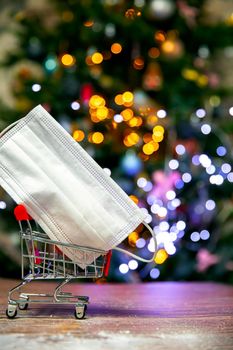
<point>136,256</point>
<point>9,127</point>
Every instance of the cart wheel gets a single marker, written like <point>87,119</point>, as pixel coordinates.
<point>11,312</point>
<point>80,312</point>
<point>23,306</point>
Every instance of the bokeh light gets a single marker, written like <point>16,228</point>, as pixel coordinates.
<point>68,60</point>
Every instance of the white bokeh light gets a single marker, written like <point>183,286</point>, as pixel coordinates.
<point>133,264</point>
<point>186,177</point>
<point>180,149</point>
<point>204,234</point>
<point>173,164</point>
<point>75,105</point>
<point>164,226</point>
<point>181,225</point>
<point>148,187</point>
<point>141,182</point>
<point>205,129</point>
<point>195,159</point>
<point>216,179</point>
<point>195,236</point>
<point>210,204</point>
<point>2,205</point>
<point>124,268</point>
<point>205,160</point>
<point>161,113</point>
<point>176,202</point>
<point>154,273</point>
<point>118,118</point>
<point>200,113</point>
<point>230,177</point>
<point>226,168</point>
<point>107,171</point>
<point>36,87</point>
<point>162,212</point>
<point>171,195</point>
<point>155,208</point>
<point>210,170</point>
<point>140,243</point>
<point>170,248</point>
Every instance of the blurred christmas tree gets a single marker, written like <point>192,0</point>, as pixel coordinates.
<point>145,87</point>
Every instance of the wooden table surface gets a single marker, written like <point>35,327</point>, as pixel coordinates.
<point>159,315</point>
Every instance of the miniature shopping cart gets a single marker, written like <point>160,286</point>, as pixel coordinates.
<point>44,259</point>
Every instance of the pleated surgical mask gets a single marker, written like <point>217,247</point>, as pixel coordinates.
<point>65,191</point>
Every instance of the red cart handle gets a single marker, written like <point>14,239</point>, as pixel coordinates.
<point>107,263</point>
<point>21,213</point>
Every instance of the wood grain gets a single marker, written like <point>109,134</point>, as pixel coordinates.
<point>160,315</point>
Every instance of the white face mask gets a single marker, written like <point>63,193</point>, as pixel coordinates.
<point>63,188</point>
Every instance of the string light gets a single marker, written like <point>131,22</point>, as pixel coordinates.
<point>75,105</point>
<point>134,198</point>
<point>153,52</point>
<point>204,235</point>
<point>226,168</point>
<point>173,164</point>
<point>116,48</point>
<point>132,238</point>
<point>118,118</point>
<point>200,113</point>
<point>107,171</point>
<point>230,177</point>
<point>97,137</point>
<point>148,148</point>
<point>186,177</point>
<point>140,243</point>
<point>195,236</point>
<point>180,150</point>
<point>205,129</point>
<point>154,273</point>
<point>36,87</point>
<point>68,60</point>
<point>160,36</point>
<point>127,114</point>
<point>2,205</point>
<point>210,204</point>
<point>161,113</point>
<point>119,100</point>
<point>78,135</point>
<point>88,24</point>
<point>138,63</point>
<point>102,113</point>
<point>133,264</point>
<point>127,97</point>
<point>97,58</point>
<point>216,179</point>
<point>221,151</point>
<point>123,268</point>
<point>96,101</point>
<point>161,256</point>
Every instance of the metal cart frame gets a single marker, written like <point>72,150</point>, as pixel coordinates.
<point>44,259</point>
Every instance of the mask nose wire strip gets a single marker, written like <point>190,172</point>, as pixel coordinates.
<point>136,256</point>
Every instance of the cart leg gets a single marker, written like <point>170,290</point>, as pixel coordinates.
<point>57,292</point>
<point>11,310</point>
<point>23,304</point>
<point>13,290</point>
